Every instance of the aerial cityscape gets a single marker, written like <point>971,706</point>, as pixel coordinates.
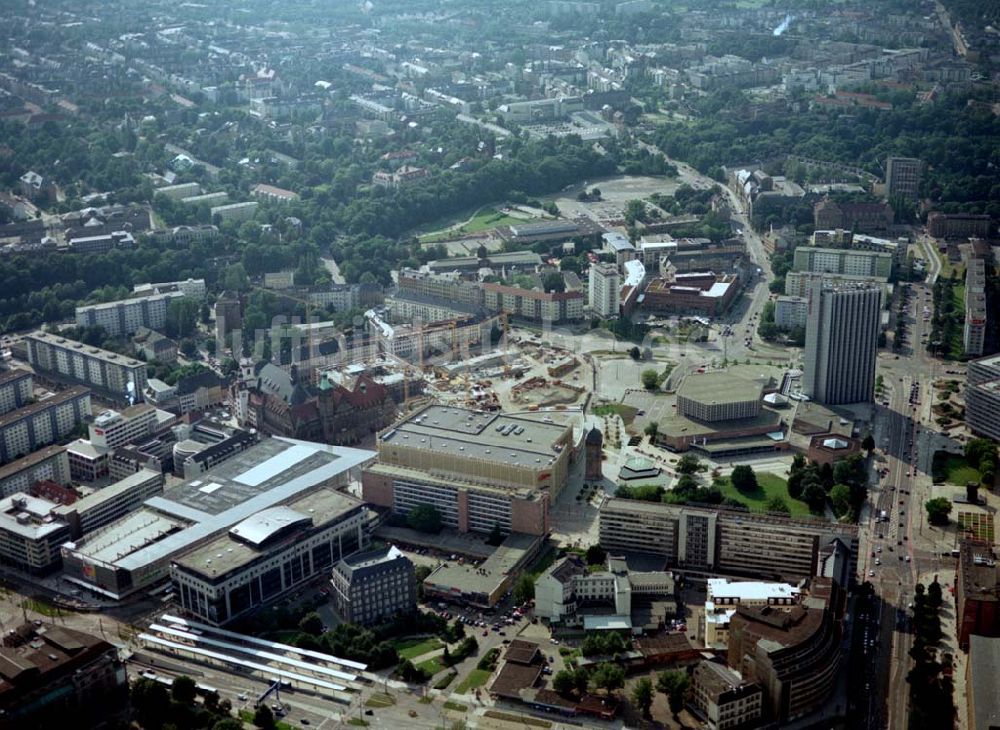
<point>500,365</point>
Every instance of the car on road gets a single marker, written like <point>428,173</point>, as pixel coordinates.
<point>871,573</point>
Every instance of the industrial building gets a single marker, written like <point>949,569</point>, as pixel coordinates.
<point>134,552</point>
<point>479,469</point>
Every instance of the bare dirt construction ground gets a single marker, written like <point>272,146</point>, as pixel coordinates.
<point>615,194</point>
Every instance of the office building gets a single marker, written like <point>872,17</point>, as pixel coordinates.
<point>790,312</point>
<point>30,535</point>
<point>981,671</point>
<point>87,463</point>
<point>131,425</point>
<point>479,469</point>
<point>47,464</point>
<point>841,343</point>
<point>844,261</point>
<point>977,592</point>
<point>571,593</point>
<point>43,422</point>
<point>902,177</point>
<point>723,698</point>
<point>56,677</point>
<point>730,542</point>
<point>604,284</point>
<point>983,370</point>
<point>125,317</point>
<point>116,376</point>
<point>443,286</point>
<point>863,217</point>
<point>700,293</point>
<point>718,397</point>
<point>16,389</point>
<point>797,283</point>
<point>104,506</point>
<point>269,554</point>
<point>722,598</point>
<point>793,652</point>
<point>228,317</point>
<point>976,314</point>
<point>135,552</point>
<point>374,586</point>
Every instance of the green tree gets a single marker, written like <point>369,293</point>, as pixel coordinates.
<point>652,428</point>
<point>642,695</point>
<point>674,684</point>
<point>840,499</point>
<point>235,278</point>
<point>311,623</point>
<point>650,379</point>
<point>263,717</point>
<point>938,510</point>
<point>868,444</point>
<point>182,317</point>
<point>189,347</point>
<point>150,703</point>
<point>777,504</point>
<point>563,682</point>
<point>183,690</point>
<point>688,464</point>
<point>554,282</point>
<point>743,478</point>
<point>608,676</point>
<point>524,589</point>
<point>814,495</point>
<point>424,518</point>
<point>981,452</point>
<point>596,555</point>
<point>228,723</point>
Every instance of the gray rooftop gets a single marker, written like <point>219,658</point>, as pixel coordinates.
<point>270,473</point>
<point>224,553</point>
<point>95,352</point>
<point>713,388</point>
<point>984,668</point>
<point>493,571</point>
<point>513,440</point>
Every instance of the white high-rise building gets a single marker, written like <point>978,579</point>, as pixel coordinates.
<point>842,329</point>
<point>604,286</point>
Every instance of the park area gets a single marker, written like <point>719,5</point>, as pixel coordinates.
<point>484,219</point>
<point>953,469</point>
<point>769,486</point>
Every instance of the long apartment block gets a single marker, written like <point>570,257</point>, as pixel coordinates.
<point>726,541</point>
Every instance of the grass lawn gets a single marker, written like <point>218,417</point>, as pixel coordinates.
<point>455,706</point>
<point>247,716</point>
<point>475,679</point>
<point>769,485</point>
<point>519,719</point>
<point>627,413</point>
<point>960,472</point>
<point>43,607</point>
<point>445,680</point>
<point>431,666</point>
<point>484,219</point>
<point>410,648</point>
<point>357,721</point>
